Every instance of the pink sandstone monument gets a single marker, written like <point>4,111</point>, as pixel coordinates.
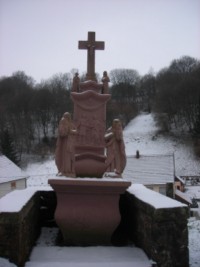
<point>87,210</point>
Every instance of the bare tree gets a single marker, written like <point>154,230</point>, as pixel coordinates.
<point>123,90</point>
<point>178,90</point>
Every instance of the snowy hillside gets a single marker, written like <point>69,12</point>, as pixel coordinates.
<point>142,134</point>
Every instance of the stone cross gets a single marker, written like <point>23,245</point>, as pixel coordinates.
<point>91,45</point>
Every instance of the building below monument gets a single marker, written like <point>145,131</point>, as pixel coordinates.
<point>156,172</point>
<point>11,176</point>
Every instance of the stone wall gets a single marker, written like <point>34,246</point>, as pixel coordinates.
<point>48,204</point>
<point>19,230</point>
<point>161,233</point>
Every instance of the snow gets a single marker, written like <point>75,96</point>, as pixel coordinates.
<point>194,244</point>
<point>9,171</point>
<point>157,200</point>
<point>40,172</point>
<point>16,200</point>
<point>104,179</point>
<point>101,256</point>
<point>183,196</point>
<point>6,263</point>
<point>46,254</point>
<point>88,256</point>
<point>180,179</point>
<point>193,191</point>
<point>142,124</point>
<point>150,169</point>
<point>141,134</point>
<point>55,256</point>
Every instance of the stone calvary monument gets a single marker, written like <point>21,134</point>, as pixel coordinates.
<point>87,210</point>
<point>86,200</point>
<point>84,147</point>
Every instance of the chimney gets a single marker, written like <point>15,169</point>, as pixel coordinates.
<point>137,154</point>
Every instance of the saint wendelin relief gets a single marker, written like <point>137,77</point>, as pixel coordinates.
<point>65,158</point>
<point>116,157</point>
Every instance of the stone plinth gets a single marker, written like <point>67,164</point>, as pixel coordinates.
<point>87,210</point>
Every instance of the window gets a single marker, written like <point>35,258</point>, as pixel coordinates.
<point>13,185</point>
<point>162,190</point>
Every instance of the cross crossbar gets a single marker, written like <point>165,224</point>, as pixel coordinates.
<point>91,45</point>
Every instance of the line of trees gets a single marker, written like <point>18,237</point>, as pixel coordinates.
<point>123,103</point>
<point>178,93</point>
<point>30,112</point>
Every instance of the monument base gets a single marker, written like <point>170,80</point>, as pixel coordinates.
<point>87,211</point>
<point>90,165</point>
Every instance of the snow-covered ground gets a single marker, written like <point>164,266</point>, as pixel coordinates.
<point>144,135</point>
<point>194,243</point>
<point>45,250</point>
<point>54,256</point>
<point>141,134</point>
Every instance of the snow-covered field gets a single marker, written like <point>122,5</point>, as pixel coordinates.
<point>141,134</point>
<point>144,135</point>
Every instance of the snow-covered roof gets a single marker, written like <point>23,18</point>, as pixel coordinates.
<point>183,196</point>
<point>180,179</point>
<point>157,200</point>
<point>9,171</point>
<point>193,191</point>
<point>150,169</point>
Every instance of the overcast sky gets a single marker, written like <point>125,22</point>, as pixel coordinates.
<point>41,37</point>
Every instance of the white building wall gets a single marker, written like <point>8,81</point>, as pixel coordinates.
<point>7,187</point>
<point>158,188</point>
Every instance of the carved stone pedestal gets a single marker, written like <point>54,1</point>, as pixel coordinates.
<point>87,210</point>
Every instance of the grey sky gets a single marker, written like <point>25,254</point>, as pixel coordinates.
<point>41,37</point>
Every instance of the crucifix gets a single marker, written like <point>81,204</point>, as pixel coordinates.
<point>91,45</point>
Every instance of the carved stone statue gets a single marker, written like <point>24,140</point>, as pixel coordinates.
<point>64,157</point>
<point>105,80</point>
<point>116,157</point>
<point>76,82</point>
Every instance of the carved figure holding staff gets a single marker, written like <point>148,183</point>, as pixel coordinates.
<point>116,157</point>
<point>65,158</point>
